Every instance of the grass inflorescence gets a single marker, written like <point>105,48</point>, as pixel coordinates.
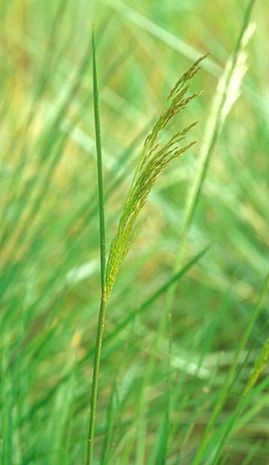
<point>156,155</point>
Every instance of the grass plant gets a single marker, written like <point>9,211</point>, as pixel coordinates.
<point>155,157</point>
<point>183,243</point>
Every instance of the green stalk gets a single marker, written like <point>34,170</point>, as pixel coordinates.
<point>102,236</point>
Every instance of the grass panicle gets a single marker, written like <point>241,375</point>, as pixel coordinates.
<point>157,154</point>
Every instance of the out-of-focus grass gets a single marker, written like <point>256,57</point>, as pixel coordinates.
<point>49,281</point>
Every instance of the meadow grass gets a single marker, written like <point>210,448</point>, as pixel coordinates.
<point>183,376</point>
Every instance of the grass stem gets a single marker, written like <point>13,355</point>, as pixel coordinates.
<point>102,238</point>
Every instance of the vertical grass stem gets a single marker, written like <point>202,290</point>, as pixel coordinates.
<point>103,300</point>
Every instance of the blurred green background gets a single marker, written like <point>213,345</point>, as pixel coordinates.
<point>49,278</point>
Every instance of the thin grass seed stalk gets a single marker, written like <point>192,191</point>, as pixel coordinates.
<point>156,155</point>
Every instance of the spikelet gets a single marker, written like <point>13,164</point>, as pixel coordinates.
<point>156,155</point>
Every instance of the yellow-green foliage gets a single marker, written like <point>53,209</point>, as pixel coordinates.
<point>156,155</point>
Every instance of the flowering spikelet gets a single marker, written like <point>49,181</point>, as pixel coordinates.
<point>155,156</point>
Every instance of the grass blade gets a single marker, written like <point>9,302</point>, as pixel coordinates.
<point>230,377</point>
